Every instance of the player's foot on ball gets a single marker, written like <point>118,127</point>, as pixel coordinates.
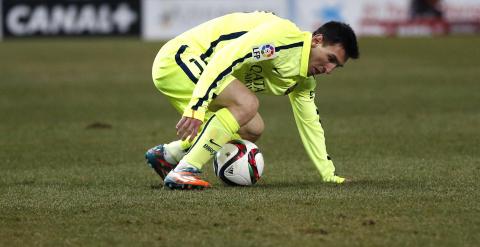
<point>156,160</point>
<point>185,178</point>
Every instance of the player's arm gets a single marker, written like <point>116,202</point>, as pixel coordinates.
<point>311,132</point>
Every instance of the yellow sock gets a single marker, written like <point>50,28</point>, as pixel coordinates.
<point>185,145</point>
<point>176,150</point>
<point>218,130</point>
<point>236,136</point>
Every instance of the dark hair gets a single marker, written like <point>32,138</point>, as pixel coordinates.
<point>335,32</point>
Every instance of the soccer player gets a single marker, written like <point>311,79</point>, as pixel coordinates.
<point>211,73</point>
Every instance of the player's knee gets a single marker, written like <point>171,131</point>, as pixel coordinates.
<point>253,130</point>
<point>250,106</point>
<point>252,135</point>
<point>254,103</point>
<point>245,109</point>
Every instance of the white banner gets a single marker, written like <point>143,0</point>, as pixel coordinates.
<point>388,17</point>
<point>164,19</point>
<point>461,10</point>
<point>367,17</point>
<point>313,13</point>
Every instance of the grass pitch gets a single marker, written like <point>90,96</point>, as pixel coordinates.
<point>76,117</point>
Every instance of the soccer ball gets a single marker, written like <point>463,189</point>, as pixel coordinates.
<point>239,162</point>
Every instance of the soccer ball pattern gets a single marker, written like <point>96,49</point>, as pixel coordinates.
<point>239,162</point>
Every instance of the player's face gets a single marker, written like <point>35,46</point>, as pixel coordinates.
<point>324,58</point>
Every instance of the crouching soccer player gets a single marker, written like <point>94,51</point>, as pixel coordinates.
<point>211,73</point>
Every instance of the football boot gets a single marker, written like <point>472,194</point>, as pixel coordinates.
<point>185,178</point>
<point>156,160</point>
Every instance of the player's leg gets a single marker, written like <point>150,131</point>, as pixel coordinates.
<point>237,107</point>
<point>253,129</point>
<point>165,157</point>
<point>173,82</point>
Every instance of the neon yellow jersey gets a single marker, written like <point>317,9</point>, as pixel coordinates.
<point>270,56</point>
<point>267,53</point>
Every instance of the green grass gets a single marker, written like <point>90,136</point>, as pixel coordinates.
<point>402,122</point>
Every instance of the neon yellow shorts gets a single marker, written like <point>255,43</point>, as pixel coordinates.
<point>175,72</point>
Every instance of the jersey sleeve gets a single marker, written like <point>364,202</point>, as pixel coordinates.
<point>230,58</point>
<point>311,132</point>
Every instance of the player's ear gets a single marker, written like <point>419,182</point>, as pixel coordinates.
<point>317,40</point>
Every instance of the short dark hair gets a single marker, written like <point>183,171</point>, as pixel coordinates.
<point>335,32</point>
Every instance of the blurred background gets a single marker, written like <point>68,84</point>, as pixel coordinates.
<point>163,19</point>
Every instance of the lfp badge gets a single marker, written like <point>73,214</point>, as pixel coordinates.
<point>264,52</point>
<point>267,51</point>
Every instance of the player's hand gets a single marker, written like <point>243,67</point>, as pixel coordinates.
<point>188,127</point>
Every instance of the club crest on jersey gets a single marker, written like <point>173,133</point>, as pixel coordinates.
<point>264,52</point>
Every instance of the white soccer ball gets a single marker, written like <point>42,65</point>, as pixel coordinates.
<point>239,162</point>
